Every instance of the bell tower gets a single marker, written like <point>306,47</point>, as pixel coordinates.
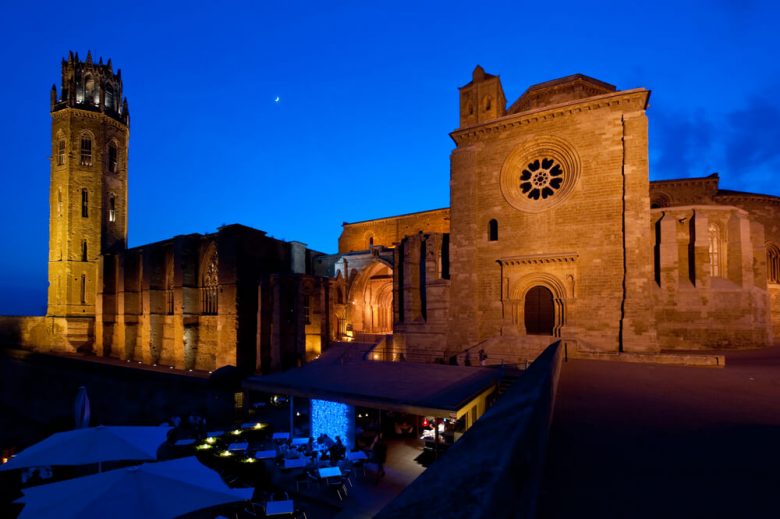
<point>88,191</point>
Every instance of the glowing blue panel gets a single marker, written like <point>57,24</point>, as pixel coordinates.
<point>333,419</point>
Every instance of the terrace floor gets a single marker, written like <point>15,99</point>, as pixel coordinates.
<point>638,440</point>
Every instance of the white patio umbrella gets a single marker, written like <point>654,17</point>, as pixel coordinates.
<point>92,445</point>
<point>81,409</point>
<point>152,490</point>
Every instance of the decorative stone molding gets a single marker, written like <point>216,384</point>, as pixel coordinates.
<point>540,174</point>
<point>635,99</point>
<point>538,259</point>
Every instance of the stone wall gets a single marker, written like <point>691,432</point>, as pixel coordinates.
<point>36,333</point>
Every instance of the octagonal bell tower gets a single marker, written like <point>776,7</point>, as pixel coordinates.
<point>88,191</point>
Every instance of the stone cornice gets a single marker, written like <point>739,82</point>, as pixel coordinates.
<point>637,97</point>
<point>736,195</point>
<point>398,217</point>
<point>85,114</point>
<point>538,259</point>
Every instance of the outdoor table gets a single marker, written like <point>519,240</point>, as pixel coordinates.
<point>329,472</point>
<point>184,442</point>
<point>356,456</point>
<point>240,446</point>
<point>300,441</point>
<point>295,463</point>
<point>264,455</point>
<point>280,436</point>
<point>285,507</point>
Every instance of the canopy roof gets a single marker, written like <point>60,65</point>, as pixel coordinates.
<point>424,389</point>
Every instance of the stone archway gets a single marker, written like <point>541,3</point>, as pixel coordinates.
<point>371,300</point>
<point>538,302</point>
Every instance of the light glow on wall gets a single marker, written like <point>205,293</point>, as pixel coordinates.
<point>333,419</point>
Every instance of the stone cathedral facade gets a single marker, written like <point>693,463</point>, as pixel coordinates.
<point>555,231</point>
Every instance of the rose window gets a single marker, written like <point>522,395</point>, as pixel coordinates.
<point>541,178</point>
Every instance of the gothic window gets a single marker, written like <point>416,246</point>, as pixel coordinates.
<point>109,97</point>
<point>660,200</point>
<point>61,152</point>
<point>59,202</point>
<point>86,151</point>
<point>772,263</point>
<point>339,296</point>
<point>111,208</point>
<point>541,178</point>
<point>716,251</point>
<point>487,103</point>
<point>84,203</point>
<point>83,250</point>
<point>210,285</point>
<point>91,90</point>
<point>169,283</point>
<point>112,162</point>
<point>307,309</point>
<point>83,289</point>
<point>493,230</point>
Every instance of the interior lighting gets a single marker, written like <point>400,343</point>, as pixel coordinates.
<point>236,432</point>
<point>259,426</point>
<point>211,440</point>
<point>248,460</point>
<point>225,454</point>
<point>204,446</point>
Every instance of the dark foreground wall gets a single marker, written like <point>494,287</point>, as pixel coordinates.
<point>37,392</point>
<point>495,469</point>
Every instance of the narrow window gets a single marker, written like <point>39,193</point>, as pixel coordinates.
<point>370,242</point>
<point>84,203</point>
<point>109,97</point>
<point>86,151</point>
<point>307,309</point>
<point>61,152</point>
<point>112,163</point>
<point>83,289</point>
<point>772,264</point>
<point>493,230</point>
<point>716,253</point>
<point>59,202</point>
<point>83,250</point>
<point>111,208</point>
<point>210,286</point>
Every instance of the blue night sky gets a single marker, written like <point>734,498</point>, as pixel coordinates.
<point>367,96</point>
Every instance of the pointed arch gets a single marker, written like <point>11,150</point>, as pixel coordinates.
<point>535,286</point>
<point>209,281</point>
<point>772,263</point>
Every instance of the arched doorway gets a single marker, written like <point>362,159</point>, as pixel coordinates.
<point>539,311</point>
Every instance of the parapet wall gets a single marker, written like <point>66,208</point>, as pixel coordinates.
<point>34,333</point>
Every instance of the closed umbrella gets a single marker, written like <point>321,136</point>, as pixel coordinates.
<point>81,409</point>
<point>150,491</point>
<point>92,445</point>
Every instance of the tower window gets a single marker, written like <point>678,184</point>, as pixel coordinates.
<point>86,151</point>
<point>109,97</point>
<point>111,208</point>
<point>59,202</point>
<point>112,163</point>
<point>83,289</point>
<point>493,230</point>
<point>83,250</point>
<point>307,309</point>
<point>61,152</point>
<point>84,203</point>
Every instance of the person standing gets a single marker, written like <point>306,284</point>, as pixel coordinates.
<point>379,456</point>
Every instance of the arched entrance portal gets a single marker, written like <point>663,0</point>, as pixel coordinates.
<point>371,298</point>
<point>539,311</point>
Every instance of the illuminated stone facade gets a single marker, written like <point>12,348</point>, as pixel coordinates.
<point>554,231</point>
<point>551,234</point>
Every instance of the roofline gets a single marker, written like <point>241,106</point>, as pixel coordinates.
<point>395,216</point>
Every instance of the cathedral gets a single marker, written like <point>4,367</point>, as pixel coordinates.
<point>554,231</point>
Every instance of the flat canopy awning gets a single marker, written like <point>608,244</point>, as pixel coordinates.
<point>408,387</point>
